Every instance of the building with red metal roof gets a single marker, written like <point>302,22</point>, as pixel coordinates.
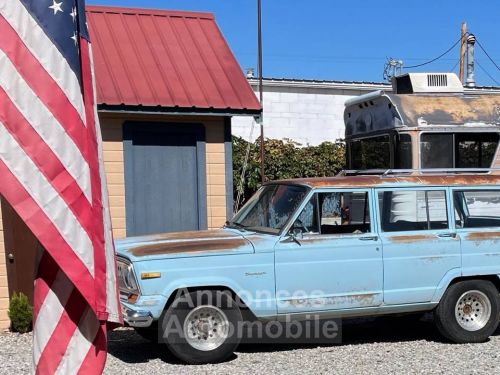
<point>166,59</point>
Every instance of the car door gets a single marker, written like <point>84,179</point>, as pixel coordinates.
<point>334,259</point>
<point>477,216</point>
<point>419,241</point>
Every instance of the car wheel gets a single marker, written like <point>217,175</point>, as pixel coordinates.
<point>201,327</point>
<point>468,311</point>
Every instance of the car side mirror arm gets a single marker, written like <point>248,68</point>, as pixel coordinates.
<point>294,236</point>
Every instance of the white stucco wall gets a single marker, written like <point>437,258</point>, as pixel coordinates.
<point>308,113</point>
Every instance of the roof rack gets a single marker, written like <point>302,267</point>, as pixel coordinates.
<point>392,172</point>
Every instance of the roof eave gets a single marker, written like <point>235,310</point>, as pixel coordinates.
<point>194,111</point>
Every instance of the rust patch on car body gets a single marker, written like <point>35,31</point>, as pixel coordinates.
<point>190,235</point>
<point>412,238</point>
<point>477,236</point>
<point>198,246</point>
<point>362,299</point>
<point>380,180</point>
<point>432,259</point>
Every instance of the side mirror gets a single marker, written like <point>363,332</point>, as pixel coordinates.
<point>297,233</point>
<point>294,235</point>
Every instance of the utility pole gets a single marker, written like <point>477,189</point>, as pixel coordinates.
<point>261,96</point>
<point>462,52</point>
<point>470,81</point>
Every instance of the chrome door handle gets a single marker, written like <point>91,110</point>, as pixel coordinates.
<point>447,235</point>
<point>369,238</point>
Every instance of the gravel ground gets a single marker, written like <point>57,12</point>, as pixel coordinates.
<point>374,346</point>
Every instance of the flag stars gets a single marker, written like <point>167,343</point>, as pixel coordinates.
<point>56,7</point>
<point>75,38</point>
<point>73,14</point>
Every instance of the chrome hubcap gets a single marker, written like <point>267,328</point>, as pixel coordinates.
<point>473,310</point>
<point>206,328</point>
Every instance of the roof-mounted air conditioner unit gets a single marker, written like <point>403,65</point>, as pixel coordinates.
<point>416,83</point>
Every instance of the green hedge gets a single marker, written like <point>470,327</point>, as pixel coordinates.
<point>20,313</point>
<point>285,159</point>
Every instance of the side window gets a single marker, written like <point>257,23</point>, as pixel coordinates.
<point>307,222</point>
<point>336,213</point>
<point>478,208</point>
<point>407,210</point>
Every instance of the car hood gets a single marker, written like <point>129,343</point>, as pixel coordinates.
<point>184,244</point>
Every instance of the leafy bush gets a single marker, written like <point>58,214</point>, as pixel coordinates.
<point>20,313</point>
<point>284,159</point>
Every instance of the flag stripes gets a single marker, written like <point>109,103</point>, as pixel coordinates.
<point>42,48</point>
<point>54,134</point>
<point>44,229</point>
<point>65,325</point>
<point>41,82</point>
<point>52,297</point>
<point>46,197</point>
<point>53,177</point>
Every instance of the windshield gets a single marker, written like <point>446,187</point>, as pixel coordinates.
<point>270,208</point>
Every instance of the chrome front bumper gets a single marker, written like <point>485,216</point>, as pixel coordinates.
<point>137,318</point>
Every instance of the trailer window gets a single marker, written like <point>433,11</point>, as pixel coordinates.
<point>371,153</point>
<point>436,150</point>
<point>458,150</point>
<point>402,157</point>
<point>475,150</point>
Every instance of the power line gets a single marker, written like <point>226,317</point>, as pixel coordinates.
<point>486,72</point>
<point>436,58</point>
<point>458,60</point>
<point>486,53</point>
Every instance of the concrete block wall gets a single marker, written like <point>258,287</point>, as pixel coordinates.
<point>307,115</point>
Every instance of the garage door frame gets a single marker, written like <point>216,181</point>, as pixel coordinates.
<point>165,128</point>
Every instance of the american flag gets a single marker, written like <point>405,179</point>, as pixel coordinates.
<point>52,174</point>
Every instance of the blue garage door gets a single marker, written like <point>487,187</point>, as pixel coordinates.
<point>165,183</point>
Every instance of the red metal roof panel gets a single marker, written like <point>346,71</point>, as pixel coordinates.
<point>159,58</point>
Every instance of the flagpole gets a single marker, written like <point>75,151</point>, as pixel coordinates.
<point>259,68</point>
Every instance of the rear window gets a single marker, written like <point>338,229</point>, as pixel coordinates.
<point>477,208</point>
<point>413,210</point>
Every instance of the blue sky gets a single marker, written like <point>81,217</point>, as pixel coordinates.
<point>348,40</point>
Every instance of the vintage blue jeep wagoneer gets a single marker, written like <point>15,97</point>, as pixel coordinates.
<point>342,246</point>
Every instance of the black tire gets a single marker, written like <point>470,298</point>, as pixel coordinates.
<point>446,320</point>
<point>174,319</point>
<point>149,333</point>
